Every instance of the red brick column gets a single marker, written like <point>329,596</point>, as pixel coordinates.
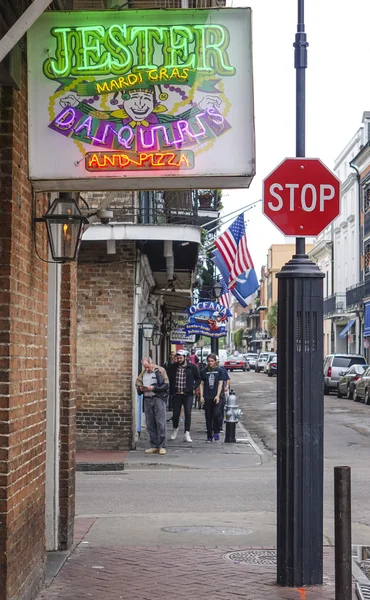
<point>68,390</point>
<point>23,356</point>
<point>105,346</point>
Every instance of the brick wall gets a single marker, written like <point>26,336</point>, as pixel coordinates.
<point>23,342</point>
<point>104,346</point>
<point>68,392</point>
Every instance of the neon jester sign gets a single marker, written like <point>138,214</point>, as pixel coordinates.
<point>137,83</point>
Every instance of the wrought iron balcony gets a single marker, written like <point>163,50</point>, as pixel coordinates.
<point>335,304</point>
<point>355,295</point>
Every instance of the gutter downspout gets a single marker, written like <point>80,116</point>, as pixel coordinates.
<point>360,238</point>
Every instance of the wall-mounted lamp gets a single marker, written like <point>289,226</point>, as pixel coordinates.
<point>64,226</point>
<point>148,326</point>
<point>157,337</point>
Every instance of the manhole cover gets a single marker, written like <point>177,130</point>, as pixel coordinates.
<point>254,557</point>
<point>209,530</point>
<point>338,410</point>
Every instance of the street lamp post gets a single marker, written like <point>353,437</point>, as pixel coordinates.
<point>300,412</point>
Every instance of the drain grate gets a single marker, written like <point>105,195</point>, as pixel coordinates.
<point>363,591</point>
<point>253,557</point>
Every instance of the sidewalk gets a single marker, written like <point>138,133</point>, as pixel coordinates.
<point>121,557</point>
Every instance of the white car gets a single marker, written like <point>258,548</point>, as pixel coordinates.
<point>261,361</point>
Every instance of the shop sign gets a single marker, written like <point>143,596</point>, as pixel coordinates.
<point>208,318</point>
<point>178,334</point>
<point>122,99</point>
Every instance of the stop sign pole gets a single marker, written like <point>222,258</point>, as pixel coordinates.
<point>300,415</point>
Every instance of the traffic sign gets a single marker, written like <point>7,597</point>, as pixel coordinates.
<point>301,196</point>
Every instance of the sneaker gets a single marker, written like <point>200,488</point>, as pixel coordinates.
<point>209,440</point>
<point>187,437</point>
<point>152,451</point>
<point>162,451</point>
<point>181,420</point>
<point>174,434</point>
<point>217,437</point>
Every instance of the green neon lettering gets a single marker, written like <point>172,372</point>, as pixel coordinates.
<point>121,49</point>
<point>145,44</point>
<point>176,52</point>
<point>60,66</point>
<point>91,56</point>
<point>116,44</point>
<point>213,42</point>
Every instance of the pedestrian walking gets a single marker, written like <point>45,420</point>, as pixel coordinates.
<point>224,393</point>
<point>194,358</point>
<point>212,381</point>
<point>184,379</point>
<point>153,384</point>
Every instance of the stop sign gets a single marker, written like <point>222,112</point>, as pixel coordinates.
<point>301,196</point>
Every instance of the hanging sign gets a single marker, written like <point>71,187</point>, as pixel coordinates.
<point>208,318</point>
<point>123,99</point>
<point>178,333</point>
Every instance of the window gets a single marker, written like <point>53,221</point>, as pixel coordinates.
<point>367,258</point>
<point>347,361</point>
<point>367,198</point>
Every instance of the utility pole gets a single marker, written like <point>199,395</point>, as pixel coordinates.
<point>300,414</point>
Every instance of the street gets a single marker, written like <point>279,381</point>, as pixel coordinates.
<point>346,437</point>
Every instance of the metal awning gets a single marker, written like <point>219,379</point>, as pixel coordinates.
<point>346,329</point>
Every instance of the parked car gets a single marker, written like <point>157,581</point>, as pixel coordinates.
<point>236,362</point>
<point>271,366</point>
<point>251,359</point>
<point>334,364</point>
<point>262,361</point>
<point>348,377</point>
<point>362,387</point>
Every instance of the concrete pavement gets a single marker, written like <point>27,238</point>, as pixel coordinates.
<point>165,526</point>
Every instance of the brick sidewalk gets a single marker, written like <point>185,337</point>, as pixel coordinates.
<point>166,573</point>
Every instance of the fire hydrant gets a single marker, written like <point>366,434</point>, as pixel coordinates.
<point>232,416</point>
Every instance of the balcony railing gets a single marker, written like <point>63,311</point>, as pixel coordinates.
<point>355,295</point>
<point>334,304</point>
<point>181,207</point>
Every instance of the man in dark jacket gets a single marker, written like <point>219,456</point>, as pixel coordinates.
<point>184,379</point>
<point>153,384</point>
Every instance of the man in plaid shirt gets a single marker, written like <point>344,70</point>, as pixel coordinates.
<point>184,379</point>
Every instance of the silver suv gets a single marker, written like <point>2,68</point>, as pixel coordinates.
<point>334,364</point>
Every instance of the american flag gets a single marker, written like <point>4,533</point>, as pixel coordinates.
<point>224,298</point>
<point>233,248</point>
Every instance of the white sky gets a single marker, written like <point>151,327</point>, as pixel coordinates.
<point>337,93</point>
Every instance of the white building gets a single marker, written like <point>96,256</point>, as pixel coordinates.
<point>338,252</point>
<point>322,253</point>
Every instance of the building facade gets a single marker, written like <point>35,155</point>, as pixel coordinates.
<point>339,252</point>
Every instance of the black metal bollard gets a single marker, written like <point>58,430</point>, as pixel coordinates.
<point>343,536</point>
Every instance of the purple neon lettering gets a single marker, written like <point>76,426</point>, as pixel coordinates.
<point>86,124</point>
<point>61,121</point>
<point>153,141</point>
<point>126,143</point>
<point>103,140</point>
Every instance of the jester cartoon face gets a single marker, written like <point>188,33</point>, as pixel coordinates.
<point>138,104</point>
